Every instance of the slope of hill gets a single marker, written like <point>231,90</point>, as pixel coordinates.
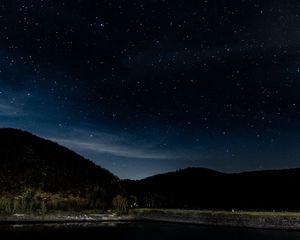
<point>200,188</point>
<point>44,173</point>
<point>38,174</point>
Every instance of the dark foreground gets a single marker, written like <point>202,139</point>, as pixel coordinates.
<point>241,219</point>
<point>137,230</point>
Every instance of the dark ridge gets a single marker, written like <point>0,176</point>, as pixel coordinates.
<point>200,188</point>
<point>43,166</point>
<point>28,161</point>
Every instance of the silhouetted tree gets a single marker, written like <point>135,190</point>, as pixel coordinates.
<point>120,204</point>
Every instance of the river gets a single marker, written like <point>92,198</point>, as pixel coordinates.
<point>138,230</point>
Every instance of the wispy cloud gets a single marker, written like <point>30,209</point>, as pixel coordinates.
<point>106,143</point>
<point>100,146</point>
<point>8,110</point>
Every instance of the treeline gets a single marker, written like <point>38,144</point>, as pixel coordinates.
<point>37,202</point>
<point>39,176</point>
<point>41,202</point>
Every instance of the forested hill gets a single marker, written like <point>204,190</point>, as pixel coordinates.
<point>39,175</point>
<point>200,188</point>
<point>40,168</point>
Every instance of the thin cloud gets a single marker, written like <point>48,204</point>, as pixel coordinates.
<point>8,110</point>
<point>114,149</point>
<point>85,141</point>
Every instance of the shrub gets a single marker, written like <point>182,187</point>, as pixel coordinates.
<point>120,204</point>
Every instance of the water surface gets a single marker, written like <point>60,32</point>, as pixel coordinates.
<point>134,230</point>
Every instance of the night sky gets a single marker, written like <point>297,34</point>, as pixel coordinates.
<point>149,86</point>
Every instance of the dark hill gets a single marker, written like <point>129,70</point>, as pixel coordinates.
<point>32,164</point>
<point>37,174</point>
<point>206,189</point>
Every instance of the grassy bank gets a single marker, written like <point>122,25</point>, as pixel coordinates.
<point>248,219</point>
<point>244,219</point>
<point>183,212</point>
<point>64,217</point>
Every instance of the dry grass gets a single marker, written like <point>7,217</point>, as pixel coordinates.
<point>182,212</point>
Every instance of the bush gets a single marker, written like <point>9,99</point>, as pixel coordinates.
<point>120,204</point>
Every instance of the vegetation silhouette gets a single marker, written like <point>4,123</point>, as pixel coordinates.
<point>40,175</point>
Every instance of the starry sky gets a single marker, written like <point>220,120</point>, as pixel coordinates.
<point>148,86</point>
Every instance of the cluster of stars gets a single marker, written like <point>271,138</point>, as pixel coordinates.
<point>206,68</point>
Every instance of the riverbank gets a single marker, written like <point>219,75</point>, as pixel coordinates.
<point>243,219</point>
<point>64,217</point>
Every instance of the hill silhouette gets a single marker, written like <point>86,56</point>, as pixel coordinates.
<point>45,171</point>
<point>200,188</point>
<point>40,175</point>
